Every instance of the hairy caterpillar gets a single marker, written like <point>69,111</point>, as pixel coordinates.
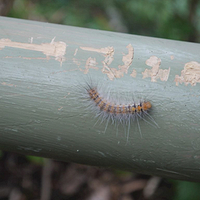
<point>116,111</point>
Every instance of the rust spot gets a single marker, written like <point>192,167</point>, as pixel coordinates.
<point>155,73</point>
<point>190,74</point>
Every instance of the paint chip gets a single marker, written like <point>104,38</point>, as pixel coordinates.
<point>90,64</point>
<point>113,72</point>
<point>76,61</point>
<point>134,73</point>
<point>60,108</point>
<point>8,84</point>
<point>55,49</point>
<point>127,59</point>
<point>108,52</point>
<point>190,74</point>
<point>75,52</point>
<point>155,73</point>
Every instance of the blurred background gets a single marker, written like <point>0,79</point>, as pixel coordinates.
<point>172,19</point>
<point>27,177</point>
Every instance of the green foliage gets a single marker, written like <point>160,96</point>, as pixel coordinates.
<point>187,190</point>
<point>173,19</point>
<point>36,160</point>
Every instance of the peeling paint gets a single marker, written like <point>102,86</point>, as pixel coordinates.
<point>109,56</point>
<point>134,73</point>
<point>31,40</point>
<point>106,50</point>
<point>27,58</point>
<point>8,84</point>
<point>63,71</point>
<point>32,58</point>
<point>190,74</point>
<point>60,108</point>
<point>127,59</point>
<point>55,49</point>
<point>155,73</point>
<point>110,72</point>
<point>113,72</point>
<point>76,50</point>
<point>76,61</point>
<point>90,64</point>
<point>108,53</point>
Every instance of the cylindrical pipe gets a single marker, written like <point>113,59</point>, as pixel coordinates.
<point>45,110</point>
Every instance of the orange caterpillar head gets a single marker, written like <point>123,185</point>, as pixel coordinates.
<point>146,105</point>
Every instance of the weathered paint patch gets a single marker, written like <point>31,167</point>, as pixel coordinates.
<point>115,73</point>
<point>108,52</point>
<point>27,58</point>
<point>76,61</point>
<point>60,108</point>
<point>155,73</point>
<point>8,84</point>
<point>109,57</point>
<point>127,59</point>
<point>90,64</point>
<point>55,49</point>
<point>134,73</point>
<point>190,74</point>
<point>75,52</point>
<point>31,40</point>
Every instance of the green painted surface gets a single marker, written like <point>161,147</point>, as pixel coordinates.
<point>41,112</point>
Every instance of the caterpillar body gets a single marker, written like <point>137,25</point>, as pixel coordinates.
<point>114,111</point>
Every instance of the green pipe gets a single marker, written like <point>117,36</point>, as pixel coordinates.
<point>43,110</point>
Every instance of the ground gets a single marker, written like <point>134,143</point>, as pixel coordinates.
<point>21,178</point>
